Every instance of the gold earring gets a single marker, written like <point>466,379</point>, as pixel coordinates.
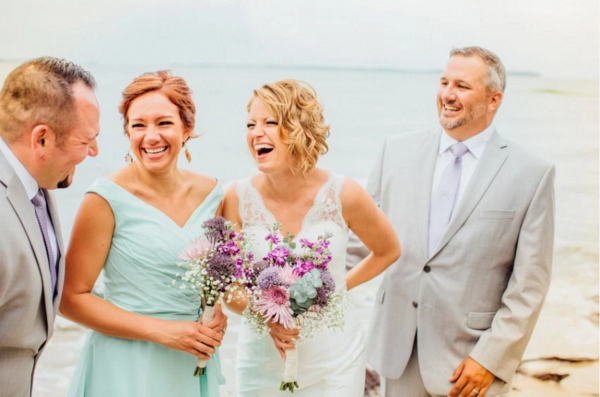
<point>129,157</point>
<point>188,156</point>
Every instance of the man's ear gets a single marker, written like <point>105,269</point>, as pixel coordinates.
<point>495,101</point>
<point>40,139</point>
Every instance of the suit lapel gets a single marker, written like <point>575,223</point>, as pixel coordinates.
<point>427,158</point>
<point>17,197</point>
<point>490,163</point>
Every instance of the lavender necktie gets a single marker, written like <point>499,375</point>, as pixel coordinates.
<point>444,199</point>
<point>41,213</point>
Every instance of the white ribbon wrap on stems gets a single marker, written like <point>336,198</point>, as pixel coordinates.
<point>209,314</point>
<point>290,367</point>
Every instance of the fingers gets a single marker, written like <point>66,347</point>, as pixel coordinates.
<point>473,379</point>
<point>457,372</point>
<point>209,336</point>
<point>203,351</point>
<point>459,387</point>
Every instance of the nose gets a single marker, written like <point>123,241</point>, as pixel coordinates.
<point>447,93</point>
<point>93,148</point>
<point>257,131</point>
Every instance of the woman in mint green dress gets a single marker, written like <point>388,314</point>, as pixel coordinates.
<point>145,337</point>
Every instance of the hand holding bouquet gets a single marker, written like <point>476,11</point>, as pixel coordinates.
<point>214,265</point>
<point>295,288</point>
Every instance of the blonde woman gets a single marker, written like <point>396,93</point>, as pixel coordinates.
<point>286,135</point>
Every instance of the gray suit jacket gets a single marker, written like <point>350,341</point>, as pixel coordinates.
<point>27,310</point>
<point>481,291</point>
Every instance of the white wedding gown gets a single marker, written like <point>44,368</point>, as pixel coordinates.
<point>330,364</point>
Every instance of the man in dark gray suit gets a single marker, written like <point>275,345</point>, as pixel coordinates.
<point>475,216</point>
<point>49,121</point>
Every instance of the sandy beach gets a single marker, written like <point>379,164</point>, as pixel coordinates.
<point>564,344</point>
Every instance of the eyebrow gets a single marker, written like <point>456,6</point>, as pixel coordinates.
<point>166,116</point>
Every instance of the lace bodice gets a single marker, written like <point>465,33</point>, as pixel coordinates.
<point>324,216</point>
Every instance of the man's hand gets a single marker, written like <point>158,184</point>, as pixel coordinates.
<point>472,380</point>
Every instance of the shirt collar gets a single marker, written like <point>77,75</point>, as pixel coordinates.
<point>28,181</point>
<point>476,144</point>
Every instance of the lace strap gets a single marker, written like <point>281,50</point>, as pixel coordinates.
<point>328,206</point>
<point>251,207</point>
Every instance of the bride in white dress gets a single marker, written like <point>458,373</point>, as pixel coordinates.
<point>286,135</point>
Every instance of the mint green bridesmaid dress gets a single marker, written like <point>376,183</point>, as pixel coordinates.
<point>138,274</point>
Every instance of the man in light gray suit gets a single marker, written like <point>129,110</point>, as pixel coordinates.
<point>49,121</point>
<point>474,214</point>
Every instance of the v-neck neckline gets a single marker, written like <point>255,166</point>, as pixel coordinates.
<point>187,222</point>
<point>306,216</point>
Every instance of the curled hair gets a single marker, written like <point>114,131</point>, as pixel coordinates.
<point>496,76</point>
<point>40,91</point>
<point>173,87</point>
<point>300,116</point>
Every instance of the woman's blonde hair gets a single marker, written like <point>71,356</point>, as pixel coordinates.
<point>299,112</point>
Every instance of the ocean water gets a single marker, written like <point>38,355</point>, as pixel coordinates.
<point>556,119</point>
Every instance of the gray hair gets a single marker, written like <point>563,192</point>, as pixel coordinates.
<point>40,91</point>
<point>496,78</point>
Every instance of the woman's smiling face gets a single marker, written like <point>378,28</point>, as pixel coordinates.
<point>155,130</point>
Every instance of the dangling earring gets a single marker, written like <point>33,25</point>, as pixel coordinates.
<point>129,157</point>
<point>188,156</point>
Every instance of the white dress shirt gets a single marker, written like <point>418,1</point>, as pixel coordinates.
<point>31,188</point>
<point>476,146</point>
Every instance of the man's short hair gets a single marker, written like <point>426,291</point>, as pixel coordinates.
<point>496,78</point>
<point>40,91</point>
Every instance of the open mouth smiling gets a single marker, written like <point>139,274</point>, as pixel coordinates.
<point>263,149</point>
<point>155,151</point>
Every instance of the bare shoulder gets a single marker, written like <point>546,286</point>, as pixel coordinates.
<point>200,184</point>
<point>354,197</point>
<point>231,205</point>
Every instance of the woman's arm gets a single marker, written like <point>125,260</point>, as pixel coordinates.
<point>373,228</point>
<point>230,211</point>
<point>88,249</point>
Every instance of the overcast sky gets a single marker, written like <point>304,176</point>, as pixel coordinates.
<point>556,38</point>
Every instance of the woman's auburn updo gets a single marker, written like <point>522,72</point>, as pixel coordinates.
<point>173,87</point>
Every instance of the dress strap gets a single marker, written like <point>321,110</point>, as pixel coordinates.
<point>251,207</point>
<point>328,206</point>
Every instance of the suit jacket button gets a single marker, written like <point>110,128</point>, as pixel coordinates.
<point>415,304</point>
<point>427,269</point>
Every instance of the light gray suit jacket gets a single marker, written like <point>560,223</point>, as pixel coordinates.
<point>27,310</point>
<point>481,291</point>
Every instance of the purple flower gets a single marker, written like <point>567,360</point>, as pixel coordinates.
<point>305,243</point>
<point>221,266</point>
<point>304,268</point>
<point>215,227</point>
<point>268,278</point>
<point>274,304</point>
<point>324,292</point>
<point>278,256</point>
<point>230,247</point>
<point>273,237</point>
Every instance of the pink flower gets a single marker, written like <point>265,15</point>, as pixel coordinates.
<point>287,275</point>
<point>197,249</point>
<point>274,305</point>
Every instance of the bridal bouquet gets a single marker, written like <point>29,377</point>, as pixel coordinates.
<point>295,288</point>
<point>216,265</point>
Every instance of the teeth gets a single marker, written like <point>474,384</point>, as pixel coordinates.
<point>452,108</point>
<point>155,151</point>
<point>263,146</point>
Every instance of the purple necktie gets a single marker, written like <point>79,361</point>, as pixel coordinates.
<point>41,213</point>
<point>444,199</point>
